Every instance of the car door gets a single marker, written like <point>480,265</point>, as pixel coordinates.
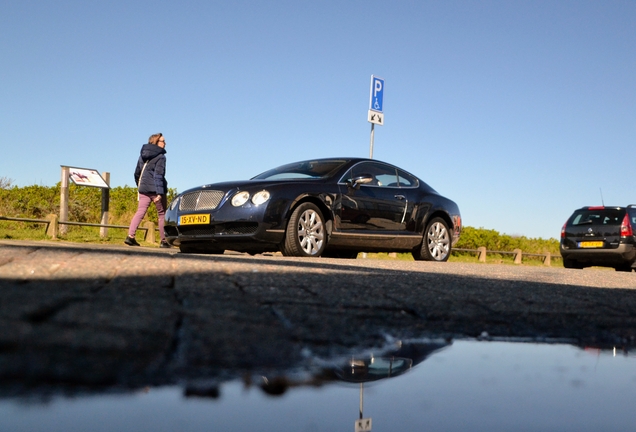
<point>375,207</point>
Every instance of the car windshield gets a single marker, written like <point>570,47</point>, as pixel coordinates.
<point>603,216</point>
<point>303,170</point>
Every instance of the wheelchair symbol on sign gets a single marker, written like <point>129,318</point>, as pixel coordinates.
<point>376,104</point>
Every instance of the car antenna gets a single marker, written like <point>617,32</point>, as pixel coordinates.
<point>602,201</point>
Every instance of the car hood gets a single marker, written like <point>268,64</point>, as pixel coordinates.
<point>249,184</point>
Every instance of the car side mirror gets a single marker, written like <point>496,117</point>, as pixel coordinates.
<point>360,180</point>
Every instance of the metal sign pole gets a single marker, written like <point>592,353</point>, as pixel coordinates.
<point>371,145</point>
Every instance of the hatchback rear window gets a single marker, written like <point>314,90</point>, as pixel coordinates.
<point>597,217</point>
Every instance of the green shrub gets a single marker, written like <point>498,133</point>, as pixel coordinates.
<point>473,238</point>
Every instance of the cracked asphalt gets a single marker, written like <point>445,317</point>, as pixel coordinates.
<point>103,316</point>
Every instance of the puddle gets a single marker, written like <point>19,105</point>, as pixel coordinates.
<point>425,386</point>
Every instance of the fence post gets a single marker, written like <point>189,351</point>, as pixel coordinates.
<point>547,260</point>
<point>518,254</point>
<point>482,254</point>
<point>103,231</point>
<point>53,227</point>
<point>150,235</point>
<point>64,200</point>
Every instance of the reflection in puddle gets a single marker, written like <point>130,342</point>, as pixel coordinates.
<point>469,385</point>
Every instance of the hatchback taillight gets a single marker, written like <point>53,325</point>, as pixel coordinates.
<point>563,230</point>
<point>626,227</point>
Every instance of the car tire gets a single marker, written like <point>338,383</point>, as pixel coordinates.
<point>436,243</point>
<point>305,235</point>
<point>572,264</point>
<point>624,268</point>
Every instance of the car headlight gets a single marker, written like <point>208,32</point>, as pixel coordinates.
<point>260,197</point>
<point>240,198</point>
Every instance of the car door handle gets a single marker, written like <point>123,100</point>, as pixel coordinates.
<point>406,206</point>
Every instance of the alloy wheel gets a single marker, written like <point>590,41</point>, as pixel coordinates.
<point>438,241</point>
<point>310,232</point>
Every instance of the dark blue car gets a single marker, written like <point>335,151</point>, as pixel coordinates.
<point>325,207</point>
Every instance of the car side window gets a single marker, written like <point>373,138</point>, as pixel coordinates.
<point>383,175</point>
<point>406,180</point>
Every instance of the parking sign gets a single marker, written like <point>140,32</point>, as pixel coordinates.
<point>377,92</point>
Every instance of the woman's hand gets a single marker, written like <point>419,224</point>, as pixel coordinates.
<point>157,198</point>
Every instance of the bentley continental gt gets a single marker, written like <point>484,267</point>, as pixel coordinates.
<point>333,207</point>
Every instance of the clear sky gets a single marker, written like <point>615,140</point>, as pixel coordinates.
<point>520,111</point>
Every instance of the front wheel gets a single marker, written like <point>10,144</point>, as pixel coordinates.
<point>436,244</point>
<point>305,235</point>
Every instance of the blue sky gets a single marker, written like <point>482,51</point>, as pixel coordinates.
<point>520,111</point>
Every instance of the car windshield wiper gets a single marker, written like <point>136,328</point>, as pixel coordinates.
<point>585,222</point>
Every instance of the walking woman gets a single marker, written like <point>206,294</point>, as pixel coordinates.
<point>152,185</point>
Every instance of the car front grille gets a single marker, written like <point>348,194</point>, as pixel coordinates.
<point>200,200</point>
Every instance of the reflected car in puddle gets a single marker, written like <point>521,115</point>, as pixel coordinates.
<point>388,364</point>
<point>490,385</point>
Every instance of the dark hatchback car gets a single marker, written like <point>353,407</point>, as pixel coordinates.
<point>324,207</point>
<point>600,236</point>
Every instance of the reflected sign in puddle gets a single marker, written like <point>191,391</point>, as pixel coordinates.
<point>425,386</point>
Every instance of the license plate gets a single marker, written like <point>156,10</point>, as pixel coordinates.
<point>194,219</point>
<point>591,244</point>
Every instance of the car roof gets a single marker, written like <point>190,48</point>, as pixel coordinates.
<point>604,207</point>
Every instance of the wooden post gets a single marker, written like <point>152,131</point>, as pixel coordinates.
<point>103,231</point>
<point>547,260</point>
<point>518,254</point>
<point>64,200</point>
<point>150,234</point>
<point>482,254</point>
<point>53,227</point>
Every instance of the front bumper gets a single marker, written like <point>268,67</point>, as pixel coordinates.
<point>244,228</point>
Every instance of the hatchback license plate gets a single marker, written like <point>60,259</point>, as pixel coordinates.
<point>591,244</point>
<point>194,219</point>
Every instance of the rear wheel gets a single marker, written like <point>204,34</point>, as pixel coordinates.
<point>436,244</point>
<point>305,235</point>
<point>624,268</point>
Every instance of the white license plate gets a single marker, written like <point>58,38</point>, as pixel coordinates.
<point>194,219</point>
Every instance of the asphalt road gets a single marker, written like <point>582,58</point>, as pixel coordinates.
<point>102,316</point>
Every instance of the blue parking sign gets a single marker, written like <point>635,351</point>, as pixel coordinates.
<point>377,92</point>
